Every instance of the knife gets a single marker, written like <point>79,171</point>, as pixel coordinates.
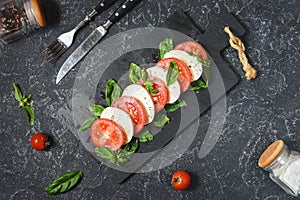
<point>87,45</point>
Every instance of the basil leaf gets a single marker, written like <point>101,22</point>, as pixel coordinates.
<point>29,112</point>
<point>199,84</point>
<point>136,73</point>
<point>17,92</point>
<point>146,136</point>
<point>164,47</point>
<point>172,73</point>
<point>175,106</point>
<point>113,91</point>
<point>149,87</point>
<point>64,182</point>
<point>106,153</point>
<point>161,120</point>
<point>87,123</point>
<point>206,66</point>
<point>96,110</point>
<point>131,147</point>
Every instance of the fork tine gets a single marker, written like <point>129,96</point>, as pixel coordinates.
<point>53,51</point>
<point>50,46</point>
<point>58,52</point>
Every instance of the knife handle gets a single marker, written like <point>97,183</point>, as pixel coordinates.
<point>103,5</point>
<point>125,8</point>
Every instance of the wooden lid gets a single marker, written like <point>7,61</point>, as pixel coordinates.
<point>271,153</point>
<point>38,12</point>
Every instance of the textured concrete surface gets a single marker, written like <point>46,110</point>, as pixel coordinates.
<point>258,112</point>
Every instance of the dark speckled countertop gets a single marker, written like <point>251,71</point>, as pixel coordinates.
<point>258,112</point>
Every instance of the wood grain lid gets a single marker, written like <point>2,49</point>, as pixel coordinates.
<point>38,12</point>
<point>271,153</point>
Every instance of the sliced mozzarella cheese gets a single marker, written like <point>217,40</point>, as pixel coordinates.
<point>143,96</point>
<point>194,65</point>
<point>174,89</point>
<point>120,117</point>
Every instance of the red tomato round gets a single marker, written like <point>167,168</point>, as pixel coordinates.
<point>193,48</point>
<point>161,98</point>
<point>39,141</point>
<point>135,109</point>
<point>184,74</point>
<point>107,133</point>
<point>181,180</point>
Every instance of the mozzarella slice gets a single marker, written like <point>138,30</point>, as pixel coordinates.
<point>174,89</point>
<point>120,117</point>
<point>195,66</point>
<point>143,96</point>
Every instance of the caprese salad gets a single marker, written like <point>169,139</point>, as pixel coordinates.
<point>116,130</point>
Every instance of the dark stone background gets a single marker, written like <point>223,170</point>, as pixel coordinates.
<point>258,111</point>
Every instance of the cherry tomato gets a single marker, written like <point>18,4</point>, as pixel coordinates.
<point>107,133</point>
<point>39,141</point>
<point>184,74</point>
<point>193,48</point>
<point>135,109</point>
<point>181,180</point>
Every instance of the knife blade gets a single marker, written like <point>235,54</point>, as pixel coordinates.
<point>86,46</point>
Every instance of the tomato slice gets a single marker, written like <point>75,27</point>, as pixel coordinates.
<point>193,48</point>
<point>107,133</point>
<point>135,109</point>
<point>161,98</point>
<point>184,74</point>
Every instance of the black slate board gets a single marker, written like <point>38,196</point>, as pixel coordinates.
<point>214,41</point>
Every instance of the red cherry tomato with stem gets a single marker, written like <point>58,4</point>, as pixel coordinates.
<point>181,180</point>
<point>39,141</point>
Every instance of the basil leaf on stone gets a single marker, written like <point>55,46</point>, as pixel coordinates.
<point>164,47</point>
<point>29,112</point>
<point>175,106</point>
<point>199,84</point>
<point>149,87</point>
<point>87,123</point>
<point>112,92</point>
<point>96,110</point>
<point>160,120</point>
<point>146,136</point>
<point>172,73</point>
<point>131,147</point>
<point>136,73</point>
<point>106,153</point>
<point>64,182</point>
<point>17,92</point>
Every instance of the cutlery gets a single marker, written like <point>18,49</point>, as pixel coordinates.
<point>94,38</point>
<point>65,40</point>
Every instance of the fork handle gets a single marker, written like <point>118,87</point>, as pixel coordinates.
<point>125,8</point>
<point>102,6</point>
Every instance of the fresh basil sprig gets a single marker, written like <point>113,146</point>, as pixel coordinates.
<point>24,102</point>
<point>172,73</point>
<point>149,87</point>
<point>64,182</point>
<point>164,47</point>
<point>145,136</point>
<point>112,92</point>
<point>96,111</point>
<point>136,73</point>
<point>175,106</point>
<point>199,84</point>
<point>119,157</point>
<point>160,120</point>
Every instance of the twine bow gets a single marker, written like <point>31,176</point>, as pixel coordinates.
<point>237,44</point>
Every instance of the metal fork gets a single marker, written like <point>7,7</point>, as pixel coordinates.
<point>65,40</point>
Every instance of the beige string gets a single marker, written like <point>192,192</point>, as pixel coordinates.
<point>236,43</point>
